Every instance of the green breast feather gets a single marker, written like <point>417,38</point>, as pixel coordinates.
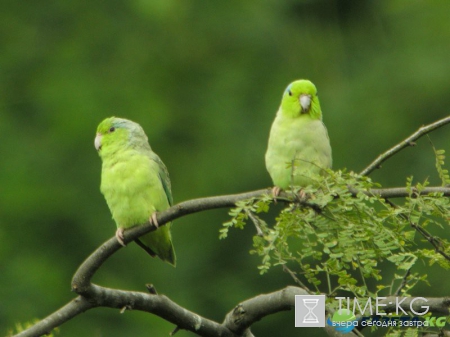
<point>135,182</point>
<point>299,148</point>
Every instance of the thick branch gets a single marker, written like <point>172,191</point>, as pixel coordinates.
<point>403,144</point>
<point>246,313</point>
<point>159,305</point>
<point>236,323</point>
<point>82,277</point>
<point>62,315</point>
<point>250,311</point>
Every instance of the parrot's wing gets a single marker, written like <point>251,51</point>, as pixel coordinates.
<point>163,177</point>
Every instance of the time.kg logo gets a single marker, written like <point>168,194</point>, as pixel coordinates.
<point>310,311</point>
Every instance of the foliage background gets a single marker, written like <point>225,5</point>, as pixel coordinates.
<point>204,79</point>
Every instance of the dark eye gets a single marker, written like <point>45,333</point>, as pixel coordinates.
<point>290,93</point>
<point>112,129</point>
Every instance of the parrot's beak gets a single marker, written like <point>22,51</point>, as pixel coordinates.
<point>305,102</point>
<point>98,141</point>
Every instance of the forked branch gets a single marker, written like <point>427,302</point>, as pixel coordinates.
<point>236,323</point>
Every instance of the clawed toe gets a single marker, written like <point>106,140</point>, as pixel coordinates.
<point>119,236</point>
<point>302,194</point>
<point>275,193</point>
<point>153,220</point>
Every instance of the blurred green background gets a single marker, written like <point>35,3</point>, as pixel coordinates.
<point>204,79</point>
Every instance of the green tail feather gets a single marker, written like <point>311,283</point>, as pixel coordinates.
<point>159,243</point>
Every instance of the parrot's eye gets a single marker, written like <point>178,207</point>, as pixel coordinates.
<point>290,93</point>
<point>112,129</point>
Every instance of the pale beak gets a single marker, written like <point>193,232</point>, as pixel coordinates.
<point>305,102</point>
<point>98,141</point>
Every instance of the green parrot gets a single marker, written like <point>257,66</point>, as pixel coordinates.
<point>299,148</point>
<point>135,183</point>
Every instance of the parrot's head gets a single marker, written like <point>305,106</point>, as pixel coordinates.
<point>300,98</point>
<point>114,134</point>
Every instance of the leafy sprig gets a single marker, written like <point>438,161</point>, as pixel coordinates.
<point>341,236</point>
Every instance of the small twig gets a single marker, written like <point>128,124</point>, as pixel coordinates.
<point>296,279</point>
<point>404,282</point>
<point>435,242</point>
<point>151,289</point>
<point>357,332</point>
<point>255,222</point>
<point>125,308</point>
<point>403,144</point>
<point>174,331</point>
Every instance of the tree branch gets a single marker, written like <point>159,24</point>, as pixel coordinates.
<point>75,307</point>
<point>250,311</point>
<point>82,277</point>
<point>401,192</point>
<point>404,143</point>
<point>439,305</point>
<point>159,305</point>
<point>236,323</point>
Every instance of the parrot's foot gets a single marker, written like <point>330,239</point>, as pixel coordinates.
<point>302,194</point>
<point>275,193</point>
<point>153,220</point>
<point>119,235</point>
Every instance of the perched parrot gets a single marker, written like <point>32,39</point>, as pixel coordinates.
<point>299,148</point>
<point>135,183</point>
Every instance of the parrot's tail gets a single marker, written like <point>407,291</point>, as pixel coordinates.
<point>168,256</point>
